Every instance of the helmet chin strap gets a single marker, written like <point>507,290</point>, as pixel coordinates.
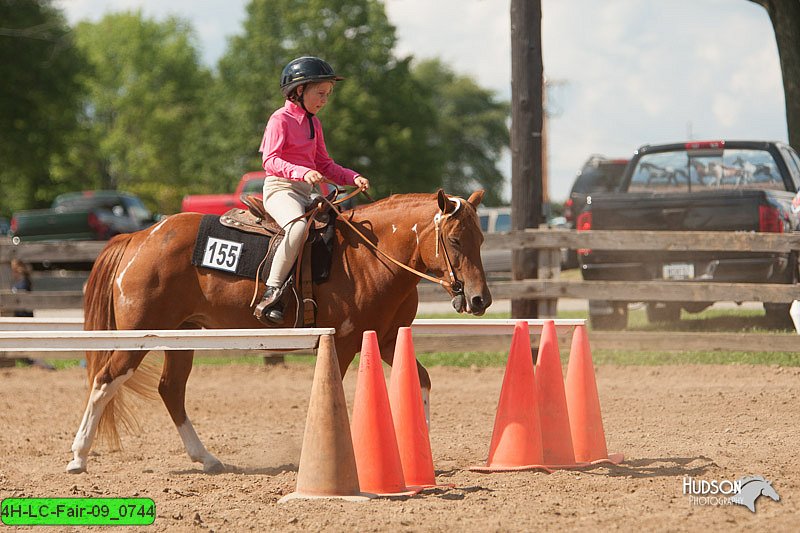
<point>309,114</point>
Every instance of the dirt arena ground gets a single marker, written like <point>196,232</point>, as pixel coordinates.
<point>674,422</point>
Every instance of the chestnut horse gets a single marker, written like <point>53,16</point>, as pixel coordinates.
<point>145,280</point>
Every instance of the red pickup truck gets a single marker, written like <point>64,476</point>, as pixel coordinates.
<point>218,204</point>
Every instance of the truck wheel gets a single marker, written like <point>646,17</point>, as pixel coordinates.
<point>615,321</point>
<point>777,316</point>
<point>663,312</point>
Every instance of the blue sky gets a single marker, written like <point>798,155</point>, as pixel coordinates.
<point>623,72</point>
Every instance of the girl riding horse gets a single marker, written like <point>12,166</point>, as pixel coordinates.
<point>146,280</point>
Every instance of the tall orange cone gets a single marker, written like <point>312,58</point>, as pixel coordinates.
<point>374,440</point>
<point>583,404</point>
<point>557,450</point>
<point>516,438</point>
<point>327,463</point>
<point>408,413</point>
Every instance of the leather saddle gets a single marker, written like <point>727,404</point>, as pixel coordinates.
<point>255,219</point>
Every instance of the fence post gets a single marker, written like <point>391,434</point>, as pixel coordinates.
<point>549,268</point>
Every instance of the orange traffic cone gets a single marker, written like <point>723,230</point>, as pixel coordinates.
<point>408,413</point>
<point>374,440</point>
<point>557,448</point>
<point>327,463</point>
<point>516,438</point>
<point>583,404</point>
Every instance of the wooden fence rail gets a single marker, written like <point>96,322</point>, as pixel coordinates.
<point>548,288</point>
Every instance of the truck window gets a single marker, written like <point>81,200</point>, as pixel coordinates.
<point>662,171</point>
<point>503,222</point>
<point>793,163</point>
<point>484,221</point>
<point>703,170</point>
<point>136,208</point>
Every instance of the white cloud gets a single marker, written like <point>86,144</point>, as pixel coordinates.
<point>629,72</point>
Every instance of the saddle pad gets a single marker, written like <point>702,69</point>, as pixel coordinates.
<point>227,249</point>
<point>239,253</point>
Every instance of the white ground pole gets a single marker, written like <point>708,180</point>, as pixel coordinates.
<point>794,312</point>
<point>26,337</point>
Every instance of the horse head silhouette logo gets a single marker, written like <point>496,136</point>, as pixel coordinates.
<point>752,488</point>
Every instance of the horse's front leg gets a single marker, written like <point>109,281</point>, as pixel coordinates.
<point>405,315</point>
<point>172,388</point>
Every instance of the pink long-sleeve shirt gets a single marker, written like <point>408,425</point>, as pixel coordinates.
<point>288,152</point>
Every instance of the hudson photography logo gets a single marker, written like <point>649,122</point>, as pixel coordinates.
<point>744,491</point>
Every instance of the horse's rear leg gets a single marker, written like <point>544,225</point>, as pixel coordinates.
<point>172,388</point>
<point>119,369</point>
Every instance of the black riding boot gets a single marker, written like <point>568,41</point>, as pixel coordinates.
<point>270,308</point>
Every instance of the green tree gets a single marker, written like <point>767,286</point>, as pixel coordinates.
<point>378,121</point>
<point>143,116</point>
<point>39,99</point>
<point>471,130</point>
<point>785,18</point>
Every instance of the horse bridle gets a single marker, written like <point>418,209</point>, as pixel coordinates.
<point>454,286</point>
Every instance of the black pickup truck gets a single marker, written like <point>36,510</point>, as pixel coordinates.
<point>696,186</point>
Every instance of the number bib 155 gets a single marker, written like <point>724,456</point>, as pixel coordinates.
<point>222,254</point>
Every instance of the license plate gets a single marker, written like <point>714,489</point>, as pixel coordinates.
<point>678,271</point>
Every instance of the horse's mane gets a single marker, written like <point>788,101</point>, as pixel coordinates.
<point>393,200</point>
<point>402,201</point>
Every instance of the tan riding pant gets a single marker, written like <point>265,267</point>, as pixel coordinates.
<point>286,200</point>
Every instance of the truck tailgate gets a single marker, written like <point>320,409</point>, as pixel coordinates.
<point>703,211</point>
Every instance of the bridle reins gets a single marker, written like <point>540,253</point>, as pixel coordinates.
<point>454,285</point>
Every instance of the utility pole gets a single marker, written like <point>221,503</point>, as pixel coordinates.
<point>527,113</point>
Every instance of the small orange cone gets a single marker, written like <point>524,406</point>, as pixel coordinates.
<point>327,463</point>
<point>557,448</point>
<point>583,404</point>
<point>374,440</point>
<point>516,438</point>
<point>408,413</point>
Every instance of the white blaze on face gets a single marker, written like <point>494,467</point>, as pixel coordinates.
<point>394,229</point>
<point>414,229</point>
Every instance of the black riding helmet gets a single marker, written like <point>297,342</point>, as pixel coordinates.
<point>304,70</point>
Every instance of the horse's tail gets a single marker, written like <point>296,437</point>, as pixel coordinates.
<point>98,309</point>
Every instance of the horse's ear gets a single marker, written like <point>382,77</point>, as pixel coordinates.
<point>475,198</point>
<point>446,205</point>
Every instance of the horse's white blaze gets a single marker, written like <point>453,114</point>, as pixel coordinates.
<point>98,399</point>
<point>122,299</point>
<point>414,229</point>
<point>426,404</point>
<point>394,228</point>
<point>194,447</point>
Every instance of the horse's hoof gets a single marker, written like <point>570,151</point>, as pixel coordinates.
<point>76,467</point>
<point>215,467</point>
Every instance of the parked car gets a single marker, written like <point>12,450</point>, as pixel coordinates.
<point>219,204</point>
<point>498,220</point>
<point>598,174</point>
<point>87,215</point>
<point>720,185</point>
<point>494,219</point>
